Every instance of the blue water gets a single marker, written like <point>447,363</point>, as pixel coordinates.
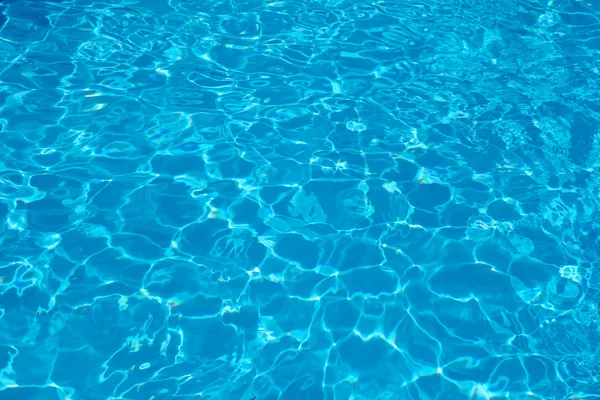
<point>327,199</point>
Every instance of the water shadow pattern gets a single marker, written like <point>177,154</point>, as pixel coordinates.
<point>299,199</point>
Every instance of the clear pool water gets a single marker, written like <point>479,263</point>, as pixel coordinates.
<point>330,199</point>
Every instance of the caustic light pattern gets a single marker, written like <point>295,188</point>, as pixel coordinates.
<point>299,199</point>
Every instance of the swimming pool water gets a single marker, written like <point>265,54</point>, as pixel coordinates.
<point>316,199</point>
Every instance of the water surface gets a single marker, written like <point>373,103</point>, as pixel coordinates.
<point>299,199</point>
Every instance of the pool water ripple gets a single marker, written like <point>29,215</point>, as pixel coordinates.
<point>289,200</point>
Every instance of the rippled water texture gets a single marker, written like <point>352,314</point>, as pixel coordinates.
<point>299,199</point>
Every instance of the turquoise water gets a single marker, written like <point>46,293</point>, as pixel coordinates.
<point>299,199</point>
